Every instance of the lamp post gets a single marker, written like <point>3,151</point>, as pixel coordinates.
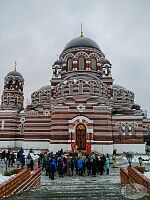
<point>6,162</point>
<point>129,156</point>
<point>140,160</point>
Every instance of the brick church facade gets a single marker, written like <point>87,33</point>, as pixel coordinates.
<point>80,106</point>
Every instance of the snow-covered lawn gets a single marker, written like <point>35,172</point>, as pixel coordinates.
<point>147,174</point>
<point>5,178</point>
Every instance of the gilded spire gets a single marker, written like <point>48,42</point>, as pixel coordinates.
<point>15,66</point>
<point>81,34</point>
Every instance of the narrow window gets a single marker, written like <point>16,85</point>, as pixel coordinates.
<point>48,98</point>
<point>16,101</point>
<point>71,89</point>
<point>93,64</point>
<point>69,65</point>
<point>91,88</point>
<point>80,88</point>
<point>81,63</point>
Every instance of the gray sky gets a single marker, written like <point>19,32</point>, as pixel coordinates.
<point>33,32</point>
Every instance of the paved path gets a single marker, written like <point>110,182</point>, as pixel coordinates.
<point>106,187</point>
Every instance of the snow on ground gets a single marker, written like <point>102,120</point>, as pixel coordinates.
<point>5,178</point>
<point>147,174</point>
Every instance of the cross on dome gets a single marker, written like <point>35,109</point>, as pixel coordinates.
<point>15,65</point>
<point>81,34</point>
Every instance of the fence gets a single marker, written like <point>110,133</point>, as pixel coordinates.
<point>22,181</point>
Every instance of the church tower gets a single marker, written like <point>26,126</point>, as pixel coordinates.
<point>12,97</point>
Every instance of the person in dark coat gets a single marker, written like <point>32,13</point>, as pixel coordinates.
<point>88,166</point>
<point>61,167</point>
<point>72,165</point>
<point>94,167</point>
<point>3,155</point>
<point>31,164</point>
<point>101,165</point>
<point>47,168</point>
<point>22,160</point>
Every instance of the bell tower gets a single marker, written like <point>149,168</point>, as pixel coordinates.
<point>12,97</point>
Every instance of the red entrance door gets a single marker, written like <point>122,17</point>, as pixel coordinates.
<point>81,137</point>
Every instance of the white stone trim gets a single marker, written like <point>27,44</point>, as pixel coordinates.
<point>3,124</point>
<point>126,117</point>
<point>100,141</point>
<point>80,119</point>
<point>59,141</point>
<point>71,140</point>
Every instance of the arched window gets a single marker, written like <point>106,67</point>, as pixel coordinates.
<point>69,64</point>
<point>93,64</point>
<point>81,63</point>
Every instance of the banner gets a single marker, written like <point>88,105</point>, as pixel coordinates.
<point>88,148</point>
<point>73,146</point>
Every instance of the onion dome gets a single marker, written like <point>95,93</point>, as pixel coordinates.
<point>105,61</point>
<point>12,97</point>
<point>41,96</point>
<point>57,62</point>
<point>118,87</point>
<point>81,42</point>
<point>44,88</point>
<point>122,95</point>
<point>13,74</point>
<point>136,107</point>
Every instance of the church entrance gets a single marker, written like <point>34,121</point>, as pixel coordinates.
<point>81,136</point>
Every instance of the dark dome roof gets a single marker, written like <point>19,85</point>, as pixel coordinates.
<point>57,62</point>
<point>44,88</point>
<point>118,87</point>
<point>81,42</point>
<point>14,73</point>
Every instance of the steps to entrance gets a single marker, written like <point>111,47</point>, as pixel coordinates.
<point>106,187</point>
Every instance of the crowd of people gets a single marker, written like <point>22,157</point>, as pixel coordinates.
<point>74,163</point>
<point>61,162</point>
<point>11,158</point>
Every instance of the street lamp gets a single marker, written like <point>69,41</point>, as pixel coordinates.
<point>140,160</point>
<point>129,157</point>
<point>6,164</point>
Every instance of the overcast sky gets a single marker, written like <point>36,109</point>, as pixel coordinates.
<point>33,32</point>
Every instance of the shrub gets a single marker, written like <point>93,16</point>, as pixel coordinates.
<point>141,169</point>
<point>11,172</point>
<point>7,173</point>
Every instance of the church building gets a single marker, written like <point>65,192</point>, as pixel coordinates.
<point>81,107</point>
